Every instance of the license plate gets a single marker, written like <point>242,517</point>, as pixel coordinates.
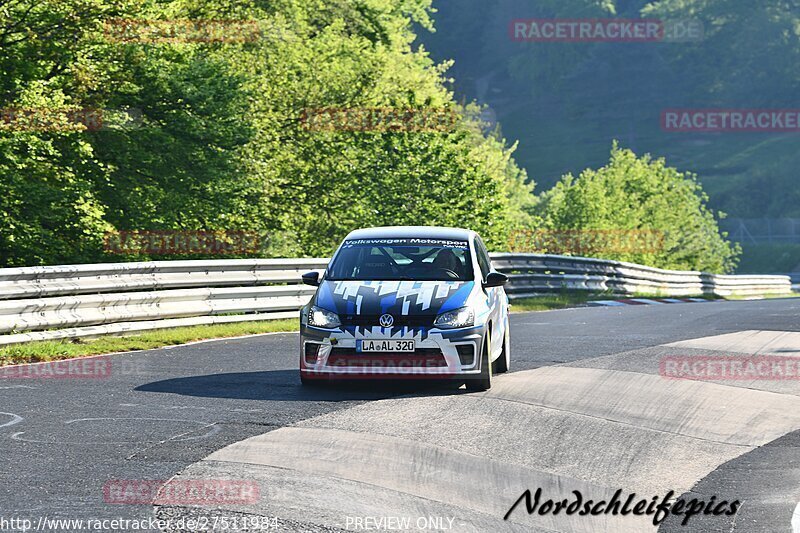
<point>387,345</point>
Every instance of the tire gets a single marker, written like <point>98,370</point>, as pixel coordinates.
<point>306,382</point>
<point>504,361</point>
<point>484,381</point>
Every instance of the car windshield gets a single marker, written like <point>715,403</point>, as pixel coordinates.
<point>402,259</point>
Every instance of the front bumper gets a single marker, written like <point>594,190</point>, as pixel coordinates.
<point>439,353</point>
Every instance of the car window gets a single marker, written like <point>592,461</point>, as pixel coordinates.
<point>483,258</point>
<point>402,259</point>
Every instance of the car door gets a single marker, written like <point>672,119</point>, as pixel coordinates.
<point>496,297</point>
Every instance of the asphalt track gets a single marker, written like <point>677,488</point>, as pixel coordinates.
<point>584,409</point>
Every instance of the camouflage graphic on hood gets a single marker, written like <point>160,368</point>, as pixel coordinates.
<point>413,304</point>
<point>398,298</point>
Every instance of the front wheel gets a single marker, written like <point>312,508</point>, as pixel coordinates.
<point>484,380</point>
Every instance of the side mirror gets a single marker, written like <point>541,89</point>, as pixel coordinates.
<point>311,278</point>
<point>495,279</point>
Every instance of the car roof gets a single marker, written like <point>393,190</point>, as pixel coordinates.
<point>419,232</point>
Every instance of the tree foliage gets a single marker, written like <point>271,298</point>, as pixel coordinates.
<point>219,144</point>
<point>642,194</point>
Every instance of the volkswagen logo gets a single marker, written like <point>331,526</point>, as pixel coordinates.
<point>386,321</point>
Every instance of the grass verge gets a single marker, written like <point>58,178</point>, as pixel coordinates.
<point>548,302</point>
<point>40,351</point>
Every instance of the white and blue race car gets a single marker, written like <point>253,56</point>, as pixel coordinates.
<point>407,302</point>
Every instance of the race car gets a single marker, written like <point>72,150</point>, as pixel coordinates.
<point>407,302</point>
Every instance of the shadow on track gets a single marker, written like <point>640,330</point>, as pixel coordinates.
<point>284,385</point>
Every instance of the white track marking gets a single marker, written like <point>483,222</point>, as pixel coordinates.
<point>15,419</point>
<point>213,431</point>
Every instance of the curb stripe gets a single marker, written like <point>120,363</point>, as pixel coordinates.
<point>644,301</point>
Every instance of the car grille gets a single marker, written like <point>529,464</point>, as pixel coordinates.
<point>421,358</point>
<point>411,321</point>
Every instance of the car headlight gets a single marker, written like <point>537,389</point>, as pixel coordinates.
<point>460,318</point>
<point>322,318</point>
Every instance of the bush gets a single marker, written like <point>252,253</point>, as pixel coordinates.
<point>642,194</point>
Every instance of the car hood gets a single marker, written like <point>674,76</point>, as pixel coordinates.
<point>398,298</point>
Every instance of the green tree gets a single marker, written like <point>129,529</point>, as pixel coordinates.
<point>641,193</point>
<point>49,210</point>
<point>322,184</point>
<point>220,145</point>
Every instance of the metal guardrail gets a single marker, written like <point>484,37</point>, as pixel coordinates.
<point>532,274</point>
<point>36,303</point>
<point>73,301</point>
